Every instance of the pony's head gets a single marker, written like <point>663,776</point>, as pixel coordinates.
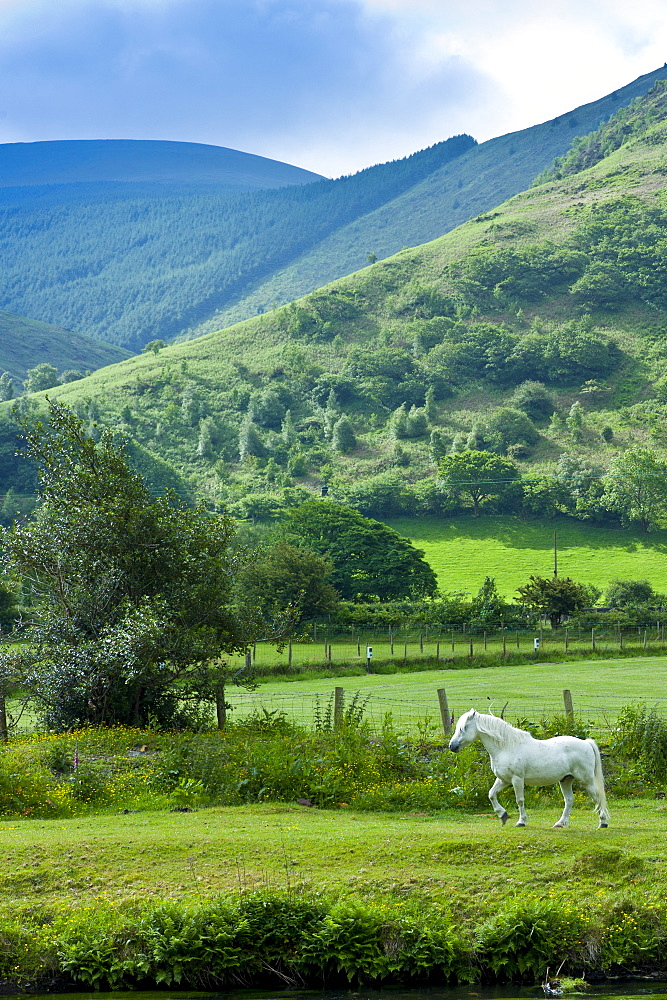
<point>465,732</point>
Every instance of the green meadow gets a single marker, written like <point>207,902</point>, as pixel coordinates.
<point>463,550</point>
<point>600,689</point>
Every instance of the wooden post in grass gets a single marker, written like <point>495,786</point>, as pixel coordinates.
<point>620,636</point>
<point>517,638</point>
<point>437,651</point>
<point>485,642</point>
<point>421,642</point>
<point>358,645</point>
<point>391,641</point>
<point>504,642</point>
<point>593,638</point>
<point>541,637</point>
<point>248,659</point>
<point>569,708</point>
<point>4,735</point>
<point>644,638</point>
<point>329,655</point>
<point>339,696</point>
<point>471,650</point>
<point>452,640</point>
<point>405,650</point>
<point>289,653</point>
<point>567,639</point>
<point>444,712</point>
<point>314,633</point>
<point>254,652</point>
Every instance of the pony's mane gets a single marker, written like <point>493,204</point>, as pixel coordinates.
<point>502,730</point>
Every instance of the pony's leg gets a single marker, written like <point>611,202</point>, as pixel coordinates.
<point>499,810</point>
<point>517,783</point>
<point>590,789</point>
<point>566,788</point>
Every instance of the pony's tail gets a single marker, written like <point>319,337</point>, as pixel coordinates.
<point>601,806</point>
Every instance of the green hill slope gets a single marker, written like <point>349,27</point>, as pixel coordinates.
<point>25,343</point>
<point>151,242</point>
<point>421,354</point>
<point>482,178</point>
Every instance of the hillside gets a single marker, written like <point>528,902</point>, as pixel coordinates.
<point>77,161</point>
<point>365,383</point>
<point>143,248</point>
<point>25,343</point>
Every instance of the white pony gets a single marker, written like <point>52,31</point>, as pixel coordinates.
<point>517,758</point>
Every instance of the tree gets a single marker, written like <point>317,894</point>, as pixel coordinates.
<point>630,594</point>
<point>153,346</point>
<point>6,387</point>
<point>556,596</point>
<point>507,427</point>
<point>482,478</point>
<point>370,560</point>
<point>42,377</point>
<point>344,439</point>
<point>132,592</point>
<point>533,398</point>
<point>288,580</point>
<point>636,487</point>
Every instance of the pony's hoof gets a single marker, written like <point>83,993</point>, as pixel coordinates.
<point>504,818</point>
<point>603,826</point>
<point>519,823</point>
<point>558,826</point>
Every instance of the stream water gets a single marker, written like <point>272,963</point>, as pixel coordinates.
<point>635,990</point>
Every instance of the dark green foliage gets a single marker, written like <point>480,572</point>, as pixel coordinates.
<point>630,594</point>
<point>555,597</point>
<point>636,487</point>
<point>533,398</point>
<point>485,480</point>
<point>508,427</point>
<point>43,376</point>
<point>370,559</point>
<point>520,942</point>
<point>343,436</point>
<point>133,592</point>
<point>286,579</point>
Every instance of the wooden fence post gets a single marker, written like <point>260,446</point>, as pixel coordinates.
<point>444,712</point>
<point>644,638</point>
<point>421,642</point>
<point>517,638</point>
<point>437,651</point>
<point>567,639</point>
<point>471,649</point>
<point>504,643</point>
<point>339,696</point>
<point>485,642</point>
<point>452,640</point>
<point>567,701</point>
<point>248,659</point>
<point>289,653</point>
<point>593,638</point>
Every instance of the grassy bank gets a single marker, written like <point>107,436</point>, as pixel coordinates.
<point>272,894</point>
<point>463,550</point>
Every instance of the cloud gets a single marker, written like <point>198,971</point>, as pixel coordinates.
<point>332,85</point>
<point>270,76</point>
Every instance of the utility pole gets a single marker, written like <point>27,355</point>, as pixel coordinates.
<point>555,555</point>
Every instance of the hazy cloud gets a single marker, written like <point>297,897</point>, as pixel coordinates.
<point>328,84</point>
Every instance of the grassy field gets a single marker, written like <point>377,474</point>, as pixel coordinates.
<point>221,850</point>
<point>463,550</point>
<point>600,689</point>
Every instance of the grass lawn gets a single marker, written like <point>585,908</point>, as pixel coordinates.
<point>463,550</point>
<point>600,688</point>
<point>470,858</point>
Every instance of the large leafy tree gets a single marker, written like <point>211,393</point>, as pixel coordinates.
<point>479,478</point>
<point>370,560</point>
<point>556,596</point>
<point>132,591</point>
<point>636,487</point>
<point>288,582</point>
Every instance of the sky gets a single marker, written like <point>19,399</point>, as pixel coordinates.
<point>330,85</point>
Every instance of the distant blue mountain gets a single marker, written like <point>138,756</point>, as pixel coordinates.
<point>74,161</point>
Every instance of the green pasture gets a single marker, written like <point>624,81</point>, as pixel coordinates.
<point>463,550</point>
<point>471,858</point>
<point>600,689</point>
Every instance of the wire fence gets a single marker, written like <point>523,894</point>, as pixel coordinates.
<point>325,647</point>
